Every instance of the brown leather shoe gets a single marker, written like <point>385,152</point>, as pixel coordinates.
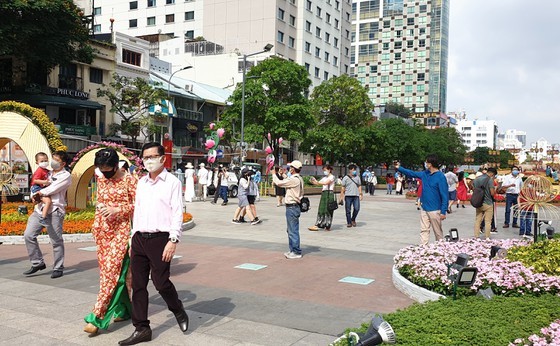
<point>91,329</point>
<point>137,337</point>
<point>353,223</point>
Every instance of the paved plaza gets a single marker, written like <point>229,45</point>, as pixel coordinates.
<point>234,281</point>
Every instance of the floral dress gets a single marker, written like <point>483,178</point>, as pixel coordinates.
<point>112,237</point>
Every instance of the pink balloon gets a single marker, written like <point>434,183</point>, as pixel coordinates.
<point>220,132</point>
<point>212,126</point>
<point>268,150</point>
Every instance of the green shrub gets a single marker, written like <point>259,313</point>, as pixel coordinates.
<point>543,256</point>
<point>471,321</point>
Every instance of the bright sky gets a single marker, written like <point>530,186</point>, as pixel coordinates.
<point>504,64</point>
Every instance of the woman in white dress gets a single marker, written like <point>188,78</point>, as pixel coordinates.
<point>189,182</point>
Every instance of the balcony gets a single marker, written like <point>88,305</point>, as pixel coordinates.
<point>70,82</point>
<point>189,114</point>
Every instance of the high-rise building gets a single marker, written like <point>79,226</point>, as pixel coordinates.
<point>399,51</point>
<point>313,33</point>
<point>478,133</point>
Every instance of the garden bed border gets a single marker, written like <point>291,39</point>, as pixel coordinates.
<point>413,291</point>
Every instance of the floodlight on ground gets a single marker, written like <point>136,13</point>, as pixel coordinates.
<point>378,332</point>
<point>498,252</point>
<point>454,235</point>
<point>466,276</point>
<point>550,232</point>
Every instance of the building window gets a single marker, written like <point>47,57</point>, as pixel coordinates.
<point>291,42</point>
<point>307,47</point>
<point>280,37</point>
<point>189,34</point>
<point>97,11</point>
<point>319,11</point>
<point>385,46</point>
<point>373,69</point>
<point>317,72</point>
<point>307,26</point>
<point>307,67</point>
<point>335,61</point>
<point>328,18</point>
<point>336,23</point>
<point>292,20</point>
<point>151,21</point>
<point>281,14</point>
<point>189,15</point>
<point>325,75</point>
<point>308,5</point>
<point>133,5</point>
<point>96,75</point>
<point>169,18</point>
<point>398,55</point>
<point>420,77</point>
<point>327,56</point>
<point>151,3</point>
<point>410,44</point>
<point>420,88</point>
<point>423,8</point>
<point>410,21</point>
<point>397,78</point>
<point>398,45</point>
<point>317,52</point>
<point>335,42</point>
<point>133,23</point>
<point>422,43</point>
<point>384,79</point>
<point>131,57</point>
<point>327,37</point>
<point>318,32</point>
<point>169,2</point>
<point>97,28</point>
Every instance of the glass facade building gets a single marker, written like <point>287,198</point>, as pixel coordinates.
<point>399,51</point>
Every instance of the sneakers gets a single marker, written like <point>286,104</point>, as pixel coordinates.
<point>225,203</point>
<point>292,255</point>
<point>242,220</point>
<point>256,221</point>
<point>529,236</point>
<point>494,231</point>
<point>237,222</point>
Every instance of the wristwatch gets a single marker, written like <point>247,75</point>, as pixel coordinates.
<point>174,240</point>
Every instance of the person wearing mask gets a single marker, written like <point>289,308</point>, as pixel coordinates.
<point>224,188</point>
<point>434,198</point>
<point>243,206</point>
<point>156,231</point>
<point>324,215</point>
<point>116,190</point>
<point>279,191</point>
<point>486,211</point>
<point>512,183</point>
<point>390,179</point>
<point>452,181</point>
<point>351,195</point>
<point>294,193</point>
<point>372,183</point>
<point>61,180</point>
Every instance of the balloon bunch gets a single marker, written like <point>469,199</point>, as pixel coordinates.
<point>269,150</point>
<point>212,142</point>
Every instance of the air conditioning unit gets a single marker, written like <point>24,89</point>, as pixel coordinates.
<point>189,87</point>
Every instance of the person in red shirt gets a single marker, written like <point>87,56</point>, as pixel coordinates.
<point>390,183</point>
<point>40,180</point>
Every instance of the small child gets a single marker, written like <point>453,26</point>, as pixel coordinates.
<point>40,180</point>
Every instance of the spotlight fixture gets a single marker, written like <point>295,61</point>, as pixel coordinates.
<point>378,332</point>
<point>498,252</point>
<point>453,235</point>
<point>465,276</point>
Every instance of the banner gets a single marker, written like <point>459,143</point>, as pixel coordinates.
<point>168,145</point>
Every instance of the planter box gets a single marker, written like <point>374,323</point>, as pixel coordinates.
<point>413,291</point>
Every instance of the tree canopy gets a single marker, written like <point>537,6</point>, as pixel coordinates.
<point>45,33</point>
<point>342,109</point>
<point>275,103</point>
<point>397,109</point>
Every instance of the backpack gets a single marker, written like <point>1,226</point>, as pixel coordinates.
<point>304,203</point>
<point>477,198</point>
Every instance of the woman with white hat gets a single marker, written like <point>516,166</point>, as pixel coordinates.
<point>189,182</point>
<point>203,181</point>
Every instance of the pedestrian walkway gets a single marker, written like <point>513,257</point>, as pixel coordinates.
<point>233,279</point>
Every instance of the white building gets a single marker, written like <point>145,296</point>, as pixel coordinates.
<point>313,33</point>
<point>478,133</point>
<point>512,139</point>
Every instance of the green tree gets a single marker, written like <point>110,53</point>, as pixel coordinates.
<point>342,109</point>
<point>275,103</point>
<point>446,143</point>
<point>481,155</point>
<point>130,99</point>
<point>44,33</point>
<point>505,158</point>
<point>397,109</point>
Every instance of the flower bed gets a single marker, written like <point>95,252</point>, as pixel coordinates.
<point>548,336</point>
<point>427,267</point>
<point>76,220</point>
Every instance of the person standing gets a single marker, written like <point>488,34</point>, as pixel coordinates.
<point>351,194</point>
<point>390,181</point>
<point>462,189</point>
<point>111,230</point>
<point>203,181</point>
<point>512,183</point>
<point>279,191</point>
<point>452,181</point>
<point>189,182</point>
<point>486,211</point>
<point>324,215</point>
<point>294,193</point>
<point>371,183</point>
<point>157,221</point>
<point>257,179</point>
<point>61,180</point>
<point>224,186</point>
<point>365,177</point>
<point>434,197</point>
<point>399,183</point>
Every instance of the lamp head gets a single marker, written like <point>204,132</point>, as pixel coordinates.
<point>454,235</point>
<point>268,47</point>
<point>378,332</point>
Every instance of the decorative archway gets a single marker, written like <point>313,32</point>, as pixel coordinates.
<point>83,169</point>
<point>30,128</point>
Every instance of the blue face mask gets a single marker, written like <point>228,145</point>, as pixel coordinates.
<point>326,172</point>
<point>354,173</point>
<point>515,173</point>
<point>289,174</point>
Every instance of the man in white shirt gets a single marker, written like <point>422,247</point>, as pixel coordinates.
<point>61,180</point>
<point>203,180</point>
<point>512,182</point>
<point>157,221</point>
<point>452,181</point>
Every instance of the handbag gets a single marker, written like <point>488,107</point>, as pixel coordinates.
<point>331,205</point>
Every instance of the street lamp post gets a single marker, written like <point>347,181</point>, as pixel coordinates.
<point>170,125</point>
<point>266,48</point>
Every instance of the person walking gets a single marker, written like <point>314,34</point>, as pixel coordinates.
<point>365,178</point>
<point>462,189</point>
<point>189,182</point>
<point>452,181</point>
<point>116,191</point>
<point>324,215</point>
<point>203,181</point>
<point>61,180</point>
<point>372,183</point>
<point>223,185</point>
<point>243,206</point>
<point>351,194</point>
<point>157,221</point>
<point>434,197</point>
<point>486,211</point>
<point>512,183</point>
<point>294,193</point>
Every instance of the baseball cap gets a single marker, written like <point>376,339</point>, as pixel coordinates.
<point>296,164</point>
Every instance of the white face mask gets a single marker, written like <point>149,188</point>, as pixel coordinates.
<point>152,165</point>
<point>425,165</point>
<point>43,164</point>
<point>56,165</point>
<point>326,172</point>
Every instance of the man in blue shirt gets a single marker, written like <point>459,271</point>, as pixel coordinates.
<point>434,197</point>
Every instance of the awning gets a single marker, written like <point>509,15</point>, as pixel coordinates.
<point>165,108</point>
<point>48,100</point>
